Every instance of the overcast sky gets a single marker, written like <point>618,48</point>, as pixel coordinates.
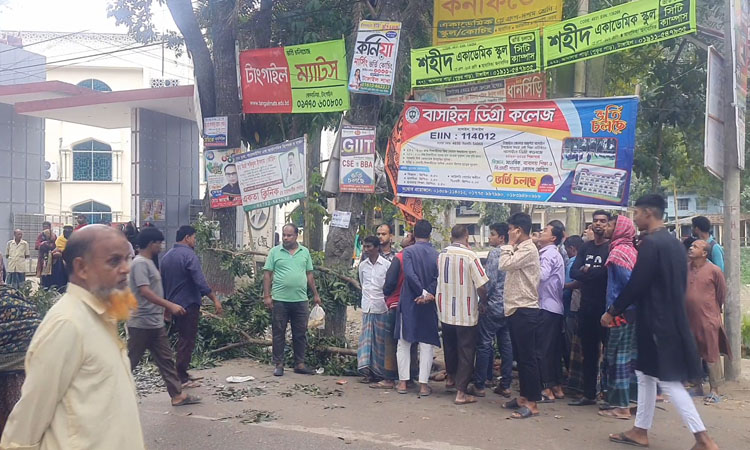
<point>68,15</point>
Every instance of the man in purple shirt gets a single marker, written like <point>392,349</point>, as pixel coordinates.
<point>551,283</point>
<point>185,285</point>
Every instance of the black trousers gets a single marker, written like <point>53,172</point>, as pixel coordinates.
<point>549,354</point>
<point>187,329</point>
<point>282,314</point>
<point>592,338</point>
<point>459,347</point>
<point>524,330</point>
<point>154,340</point>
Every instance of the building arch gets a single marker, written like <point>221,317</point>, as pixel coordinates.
<point>93,83</point>
<point>94,211</point>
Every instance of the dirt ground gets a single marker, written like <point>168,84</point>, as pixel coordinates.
<point>298,411</point>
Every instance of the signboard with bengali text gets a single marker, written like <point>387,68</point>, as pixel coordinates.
<point>609,30</point>
<point>307,78</point>
<point>473,19</point>
<point>569,152</point>
<point>495,57</point>
<point>374,63</point>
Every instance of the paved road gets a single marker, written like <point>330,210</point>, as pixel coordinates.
<point>310,413</point>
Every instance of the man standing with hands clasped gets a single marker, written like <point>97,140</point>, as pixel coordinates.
<point>286,276</point>
<point>667,354</point>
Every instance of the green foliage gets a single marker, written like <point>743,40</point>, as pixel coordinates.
<point>746,336</point>
<point>40,297</point>
<point>745,265</point>
<point>492,212</point>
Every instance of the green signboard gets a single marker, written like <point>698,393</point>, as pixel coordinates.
<point>500,56</point>
<point>625,26</point>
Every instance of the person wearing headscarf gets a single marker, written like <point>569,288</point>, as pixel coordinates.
<point>621,352</point>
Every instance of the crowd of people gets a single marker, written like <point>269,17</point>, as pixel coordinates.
<point>609,318</point>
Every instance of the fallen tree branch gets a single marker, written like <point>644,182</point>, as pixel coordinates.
<point>266,343</point>
<point>353,282</point>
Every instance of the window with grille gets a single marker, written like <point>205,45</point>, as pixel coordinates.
<point>95,212</point>
<point>683,204</point>
<point>97,85</point>
<point>92,161</point>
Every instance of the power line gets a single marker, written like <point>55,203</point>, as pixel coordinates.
<point>86,56</point>
<point>43,41</point>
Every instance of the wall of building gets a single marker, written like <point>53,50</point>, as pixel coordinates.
<point>21,145</point>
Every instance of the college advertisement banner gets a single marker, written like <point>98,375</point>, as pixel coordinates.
<point>570,152</point>
<point>221,177</point>
<point>357,171</point>
<point>273,175</point>
<point>526,87</point>
<point>499,56</point>
<point>374,62</point>
<point>307,78</point>
<point>625,26</point>
<point>472,19</point>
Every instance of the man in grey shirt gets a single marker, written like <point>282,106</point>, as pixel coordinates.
<point>146,325</point>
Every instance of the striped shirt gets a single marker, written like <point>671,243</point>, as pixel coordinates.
<point>460,274</point>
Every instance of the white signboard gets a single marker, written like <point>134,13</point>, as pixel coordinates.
<point>357,153</point>
<point>215,131</point>
<point>341,219</point>
<point>374,62</point>
<point>740,24</point>
<point>713,153</point>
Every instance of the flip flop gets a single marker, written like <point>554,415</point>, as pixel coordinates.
<point>512,404</point>
<point>620,438</point>
<point>380,385</point>
<point>711,399</point>
<point>469,399</point>
<point>472,390</point>
<point>546,399</point>
<point>611,414</point>
<point>195,378</point>
<point>429,392</point>
<point>402,391</point>
<point>189,400</point>
<point>502,391</point>
<point>522,413</point>
<point>191,384</point>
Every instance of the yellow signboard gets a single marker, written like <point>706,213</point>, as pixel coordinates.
<point>457,20</point>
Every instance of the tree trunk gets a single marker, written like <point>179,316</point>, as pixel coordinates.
<point>655,172</point>
<point>313,218</point>
<point>364,110</point>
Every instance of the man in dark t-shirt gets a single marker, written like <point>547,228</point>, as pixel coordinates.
<point>590,271</point>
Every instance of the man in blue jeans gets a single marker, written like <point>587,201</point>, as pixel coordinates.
<point>492,322</point>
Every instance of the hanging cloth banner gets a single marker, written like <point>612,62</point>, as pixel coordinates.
<point>473,19</point>
<point>374,62</point>
<point>499,56</point>
<point>411,207</point>
<point>221,178</point>
<point>613,29</point>
<point>308,78</point>
<point>568,152</point>
<point>273,175</point>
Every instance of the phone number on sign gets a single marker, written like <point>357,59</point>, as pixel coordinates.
<point>326,103</point>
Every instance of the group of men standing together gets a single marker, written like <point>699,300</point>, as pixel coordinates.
<point>634,297</point>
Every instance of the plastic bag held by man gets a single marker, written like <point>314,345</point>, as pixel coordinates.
<point>317,320</point>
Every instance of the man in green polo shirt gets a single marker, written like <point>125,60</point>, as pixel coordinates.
<point>289,269</point>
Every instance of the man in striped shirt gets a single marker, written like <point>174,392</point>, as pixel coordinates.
<point>461,283</point>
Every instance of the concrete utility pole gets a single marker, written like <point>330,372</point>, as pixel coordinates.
<point>732,310</point>
<point>573,221</point>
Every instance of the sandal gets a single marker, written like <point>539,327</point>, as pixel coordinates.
<point>505,392</point>
<point>472,390</point>
<point>711,399</point>
<point>188,400</point>
<point>512,404</point>
<point>546,399</point>
<point>523,413</point>
<point>381,385</point>
<point>613,415</point>
<point>423,394</point>
<point>191,384</point>
<point>620,438</point>
<point>469,399</point>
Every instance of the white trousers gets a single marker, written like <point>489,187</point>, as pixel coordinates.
<point>403,357</point>
<point>644,418</point>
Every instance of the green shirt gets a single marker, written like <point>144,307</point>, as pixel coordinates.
<point>289,273</point>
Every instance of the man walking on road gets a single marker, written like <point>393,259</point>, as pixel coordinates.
<point>493,323</point>
<point>461,285</point>
<point>520,261</point>
<point>590,271</point>
<point>185,285</point>
<point>706,292</point>
<point>286,276</point>
<point>79,392</point>
<point>667,354</point>
<point>146,325</point>
<point>16,253</point>
<point>418,321</point>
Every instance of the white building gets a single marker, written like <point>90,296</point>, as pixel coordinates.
<point>90,167</point>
